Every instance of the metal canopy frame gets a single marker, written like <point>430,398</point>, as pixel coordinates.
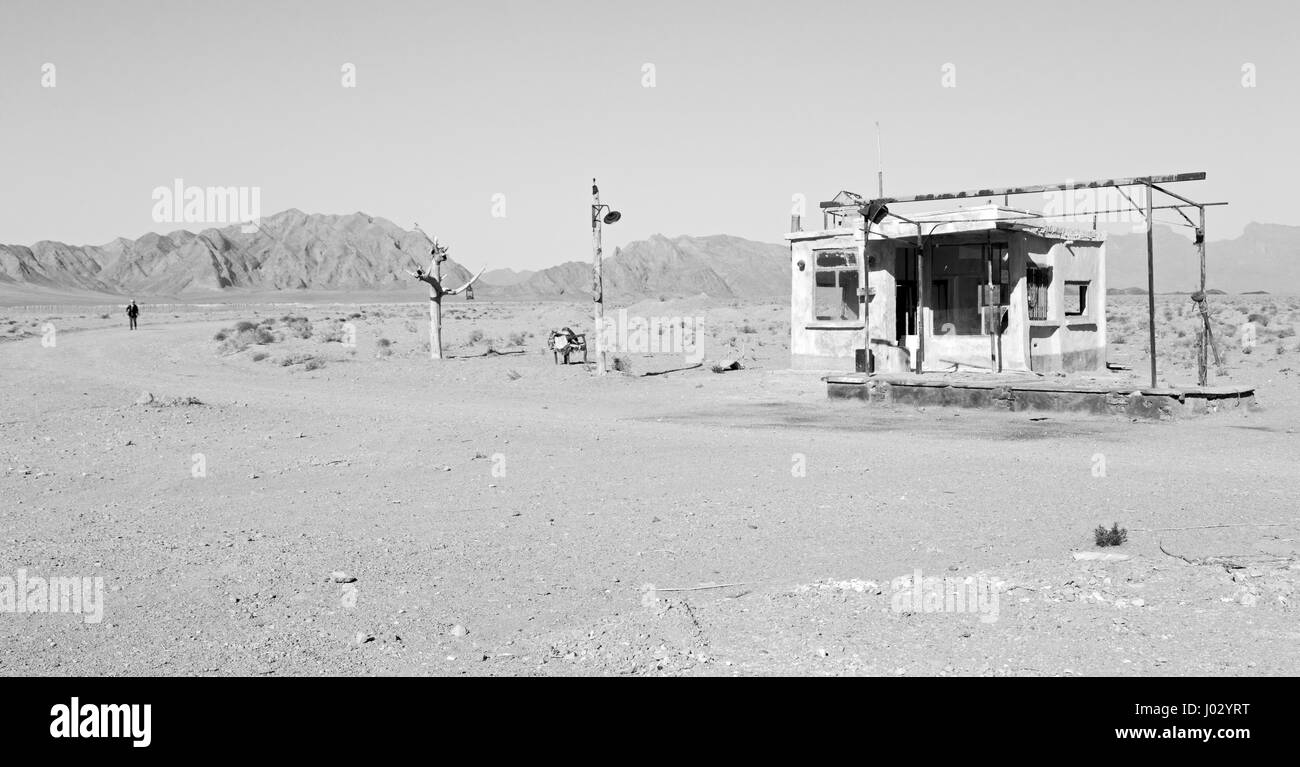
<point>878,209</point>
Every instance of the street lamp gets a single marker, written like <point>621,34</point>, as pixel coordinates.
<point>598,286</point>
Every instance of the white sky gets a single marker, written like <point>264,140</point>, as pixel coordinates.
<point>754,102</point>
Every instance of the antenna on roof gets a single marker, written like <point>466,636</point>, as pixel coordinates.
<point>880,165</point>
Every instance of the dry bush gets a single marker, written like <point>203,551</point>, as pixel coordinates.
<point>298,326</point>
<point>332,333</point>
<point>1115,536</point>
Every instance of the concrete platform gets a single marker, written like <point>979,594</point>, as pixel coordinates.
<point>1019,392</point>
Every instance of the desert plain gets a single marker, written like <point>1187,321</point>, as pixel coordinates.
<point>290,486</point>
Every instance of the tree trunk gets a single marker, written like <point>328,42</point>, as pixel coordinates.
<point>435,314</point>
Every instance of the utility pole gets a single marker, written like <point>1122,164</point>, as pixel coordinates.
<point>1203,355</point>
<point>1151,283</point>
<point>597,280</point>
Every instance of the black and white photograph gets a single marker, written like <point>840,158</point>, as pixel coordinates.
<point>412,341</point>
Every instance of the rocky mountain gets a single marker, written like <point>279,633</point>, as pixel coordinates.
<point>294,250</point>
<point>1263,257</point>
<point>719,266</point>
<point>289,250</point>
<point>505,276</point>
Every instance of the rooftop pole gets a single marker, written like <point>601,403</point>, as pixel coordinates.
<point>880,165</point>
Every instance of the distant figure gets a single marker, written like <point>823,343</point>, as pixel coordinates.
<point>132,311</point>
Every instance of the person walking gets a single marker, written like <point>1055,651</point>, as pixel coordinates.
<point>132,311</point>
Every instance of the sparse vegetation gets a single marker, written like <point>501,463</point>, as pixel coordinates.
<point>1115,536</point>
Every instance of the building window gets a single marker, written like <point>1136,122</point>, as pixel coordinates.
<point>1038,281</point>
<point>959,284</point>
<point>1076,299</point>
<point>836,285</point>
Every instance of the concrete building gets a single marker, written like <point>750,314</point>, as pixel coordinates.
<point>1004,289</point>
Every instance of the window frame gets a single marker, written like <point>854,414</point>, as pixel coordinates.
<point>851,266</point>
<point>1085,306</point>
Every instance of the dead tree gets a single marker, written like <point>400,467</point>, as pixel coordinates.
<point>436,292</point>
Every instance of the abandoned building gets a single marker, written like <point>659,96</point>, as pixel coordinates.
<point>983,287</point>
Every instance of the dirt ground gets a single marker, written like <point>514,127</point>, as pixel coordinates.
<point>502,514</point>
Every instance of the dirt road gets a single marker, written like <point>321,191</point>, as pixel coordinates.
<point>504,515</point>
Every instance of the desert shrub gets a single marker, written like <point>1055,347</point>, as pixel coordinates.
<point>354,316</point>
<point>243,325</point>
<point>259,356</point>
<point>262,336</point>
<point>333,332</point>
<point>1259,319</point>
<point>220,336</point>
<point>475,336</point>
<point>748,329</point>
<point>237,342</point>
<point>298,326</point>
<point>1115,536</point>
<point>308,361</point>
<point>1285,332</point>
<point>622,364</point>
<point>385,347</point>
<point>518,339</point>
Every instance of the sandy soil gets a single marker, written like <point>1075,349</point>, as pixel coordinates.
<point>504,515</point>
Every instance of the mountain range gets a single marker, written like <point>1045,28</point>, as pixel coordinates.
<point>359,252</point>
<point>1262,257</point>
<point>288,250</point>
<point>294,250</point>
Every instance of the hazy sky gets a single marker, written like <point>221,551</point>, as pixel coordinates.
<point>752,103</point>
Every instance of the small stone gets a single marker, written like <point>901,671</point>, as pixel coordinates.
<point>458,631</point>
<point>145,398</point>
<point>363,637</point>
<point>338,576</point>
